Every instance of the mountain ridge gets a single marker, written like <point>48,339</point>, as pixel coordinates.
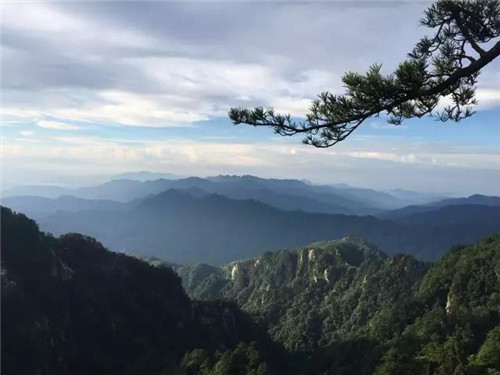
<point>475,199</point>
<point>427,315</point>
<point>284,194</point>
<point>70,306</point>
<point>214,229</point>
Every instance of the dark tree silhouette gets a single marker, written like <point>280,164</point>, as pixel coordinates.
<point>447,64</point>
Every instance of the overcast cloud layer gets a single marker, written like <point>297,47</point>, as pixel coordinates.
<point>98,88</point>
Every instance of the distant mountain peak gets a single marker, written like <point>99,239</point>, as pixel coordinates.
<point>171,198</point>
<point>146,176</point>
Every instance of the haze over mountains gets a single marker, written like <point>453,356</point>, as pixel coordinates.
<point>288,194</point>
<point>220,219</point>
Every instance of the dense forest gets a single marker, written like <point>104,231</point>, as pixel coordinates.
<point>344,307</point>
<point>70,306</point>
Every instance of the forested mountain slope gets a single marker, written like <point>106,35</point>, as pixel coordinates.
<point>314,295</point>
<point>69,306</point>
<point>343,307</point>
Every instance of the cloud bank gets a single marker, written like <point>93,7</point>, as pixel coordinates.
<point>81,79</point>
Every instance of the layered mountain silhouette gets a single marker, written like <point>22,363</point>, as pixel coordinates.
<point>181,228</point>
<point>282,194</point>
<point>476,199</point>
<point>224,218</point>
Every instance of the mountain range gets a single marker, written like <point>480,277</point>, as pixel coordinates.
<point>246,216</point>
<point>282,194</point>
<point>70,306</point>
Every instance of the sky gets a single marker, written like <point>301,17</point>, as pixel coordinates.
<point>97,88</point>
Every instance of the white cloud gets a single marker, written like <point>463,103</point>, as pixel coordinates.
<point>294,106</point>
<point>26,133</point>
<point>365,163</point>
<point>488,98</point>
<point>123,64</point>
<point>20,113</point>
<point>49,21</point>
<point>360,162</point>
<point>189,91</point>
<point>274,155</point>
<point>57,125</point>
<point>161,75</point>
<point>38,17</point>
<point>127,108</point>
<point>117,108</point>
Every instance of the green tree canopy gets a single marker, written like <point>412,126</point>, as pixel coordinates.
<point>444,65</point>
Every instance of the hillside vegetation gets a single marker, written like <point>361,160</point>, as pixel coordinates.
<point>69,306</point>
<point>331,302</point>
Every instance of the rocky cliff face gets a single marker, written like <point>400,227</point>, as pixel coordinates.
<point>323,291</point>
<point>345,307</point>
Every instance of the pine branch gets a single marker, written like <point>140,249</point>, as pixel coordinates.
<point>435,69</point>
